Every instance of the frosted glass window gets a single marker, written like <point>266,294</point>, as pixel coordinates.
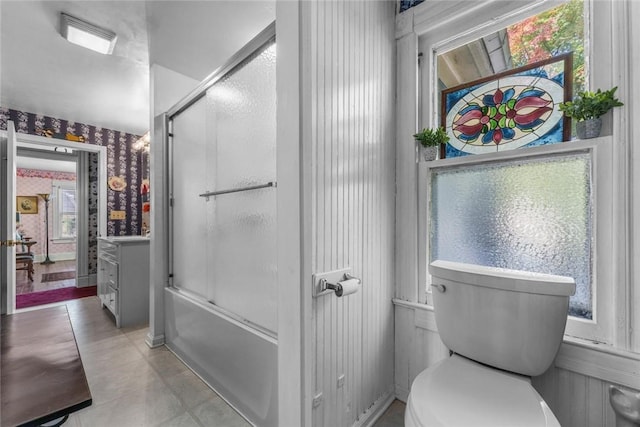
<point>532,215</point>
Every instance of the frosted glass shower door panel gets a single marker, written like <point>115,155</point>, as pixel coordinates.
<point>241,233</point>
<point>243,262</point>
<point>191,173</point>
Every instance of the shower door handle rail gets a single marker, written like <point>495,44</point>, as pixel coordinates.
<point>237,190</point>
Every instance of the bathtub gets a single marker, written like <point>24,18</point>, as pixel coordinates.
<point>235,359</point>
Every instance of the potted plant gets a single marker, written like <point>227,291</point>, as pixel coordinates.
<point>587,108</point>
<point>430,140</point>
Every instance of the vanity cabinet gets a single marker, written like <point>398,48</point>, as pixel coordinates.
<point>123,278</point>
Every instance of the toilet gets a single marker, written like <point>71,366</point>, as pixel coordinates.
<point>502,327</point>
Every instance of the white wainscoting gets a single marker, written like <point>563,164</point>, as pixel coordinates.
<point>351,51</point>
<point>576,388</point>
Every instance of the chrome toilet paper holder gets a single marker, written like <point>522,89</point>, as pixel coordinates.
<point>337,287</point>
<point>325,283</point>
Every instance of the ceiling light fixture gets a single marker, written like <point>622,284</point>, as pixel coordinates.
<point>87,35</point>
<point>143,143</point>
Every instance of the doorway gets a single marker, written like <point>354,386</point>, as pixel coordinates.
<point>76,216</point>
<point>50,231</point>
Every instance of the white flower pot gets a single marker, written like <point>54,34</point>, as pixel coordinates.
<point>587,129</point>
<point>429,153</point>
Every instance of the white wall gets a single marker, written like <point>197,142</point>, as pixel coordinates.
<point>349,51</point>
<point>167,88</point>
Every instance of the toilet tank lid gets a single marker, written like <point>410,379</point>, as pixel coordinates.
<point>502,278</point>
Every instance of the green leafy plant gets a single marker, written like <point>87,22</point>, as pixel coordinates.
<point>590,105</point>
<point>432,137</point>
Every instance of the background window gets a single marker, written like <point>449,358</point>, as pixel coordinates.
<point>64,210</point>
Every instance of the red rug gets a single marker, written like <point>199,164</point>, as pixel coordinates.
<point>54,295</point>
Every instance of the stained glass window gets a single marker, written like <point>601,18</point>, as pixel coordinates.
<point>509,110</point>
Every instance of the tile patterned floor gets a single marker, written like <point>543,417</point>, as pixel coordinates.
<point>393,416</point>
<point>134,385</point>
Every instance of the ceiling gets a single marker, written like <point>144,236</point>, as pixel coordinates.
<point>45,164</point>
<point>42,73</point>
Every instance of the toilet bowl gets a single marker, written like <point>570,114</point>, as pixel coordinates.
<point>503,326</point>
<point>460,392</point>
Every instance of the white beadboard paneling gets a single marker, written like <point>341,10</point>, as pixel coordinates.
<point>609,364</point>
<point>352,87</point>
<point>404,335</point>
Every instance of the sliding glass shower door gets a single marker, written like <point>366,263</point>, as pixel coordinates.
<point>223,173</point>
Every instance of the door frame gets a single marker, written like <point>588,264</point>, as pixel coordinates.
<point>30,140</point>
<point>8,150</point>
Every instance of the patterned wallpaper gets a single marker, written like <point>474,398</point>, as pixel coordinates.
<point>30,182</point>
<point>123,161</point>
<point>53,175</point>
<point>93,213</point>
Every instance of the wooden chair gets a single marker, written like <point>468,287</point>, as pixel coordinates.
<point>24,261</point>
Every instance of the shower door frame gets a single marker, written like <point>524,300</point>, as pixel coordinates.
<point>264,38</point>
<point>175,310</point>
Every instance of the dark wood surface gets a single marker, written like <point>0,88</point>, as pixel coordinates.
<point>41,373</point>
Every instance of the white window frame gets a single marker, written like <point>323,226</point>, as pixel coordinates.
<point>446,27</point>
<point>600,328</point>
<point>56,188</point>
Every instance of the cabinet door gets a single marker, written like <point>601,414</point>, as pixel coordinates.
<point>108,282</point>
<point>102,291</point>
<point>112,300</point>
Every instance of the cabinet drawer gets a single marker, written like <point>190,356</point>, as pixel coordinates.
<point>109,271</point>
<point>107,249</point>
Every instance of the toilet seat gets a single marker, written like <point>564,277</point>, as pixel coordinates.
<point>458,392</point>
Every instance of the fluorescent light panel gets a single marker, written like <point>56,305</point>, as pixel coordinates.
<point>86,34</point>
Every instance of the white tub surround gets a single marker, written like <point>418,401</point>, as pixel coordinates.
<point>233,358</point>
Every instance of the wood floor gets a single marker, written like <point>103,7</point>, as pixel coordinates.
<point>25,286</point>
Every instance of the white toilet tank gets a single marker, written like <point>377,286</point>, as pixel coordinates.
<point>508,319</point>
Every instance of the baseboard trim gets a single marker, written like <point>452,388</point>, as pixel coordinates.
<point>61,256</point>
<point>154,341</point>
<point>402,393</point>
<point>371,415</point>
<point>85,281</point>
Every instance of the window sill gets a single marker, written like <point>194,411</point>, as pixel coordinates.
<point>599,361</point>
<point>583,357</point>
<point>61,241</point>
